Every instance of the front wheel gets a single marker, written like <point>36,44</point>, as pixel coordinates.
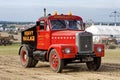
<point>56,63</point>
<point>95,64</point>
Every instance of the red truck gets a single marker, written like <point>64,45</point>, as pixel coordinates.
<point>59,40</point>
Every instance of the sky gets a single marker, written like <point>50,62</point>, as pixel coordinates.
<point>31,10</point>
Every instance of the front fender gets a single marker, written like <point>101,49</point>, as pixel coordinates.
<point>28,48</point>
<point>101,54</point>
<point>20,49</point>
<point>60,47</point>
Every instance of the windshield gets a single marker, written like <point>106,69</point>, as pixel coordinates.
<point>66,24</point>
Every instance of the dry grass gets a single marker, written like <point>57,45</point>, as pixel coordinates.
<point>11,69</point>
<point>13,49</point>
<point>9,50</point>
<point>112,55</point>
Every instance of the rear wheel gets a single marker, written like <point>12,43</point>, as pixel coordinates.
<point>56,63</point>
<point>95,64</point>
<point>25,59</point>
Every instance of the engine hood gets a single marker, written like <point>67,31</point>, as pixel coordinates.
<point>64,37</point>
<point>64,33</point>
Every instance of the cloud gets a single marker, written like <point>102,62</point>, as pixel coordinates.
<point>60,3</point>
<point>28,10</point>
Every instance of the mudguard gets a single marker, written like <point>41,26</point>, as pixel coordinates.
<point>30,54</point>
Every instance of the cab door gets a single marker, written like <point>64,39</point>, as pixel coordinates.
<point>43,35</point>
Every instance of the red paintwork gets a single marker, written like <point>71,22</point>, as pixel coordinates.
<point>46,38</point>
<point>54,61</point>
<point>65,17</point>
<point>58,40</point>
<point>95,50</point>
<point>63,37</point>
<point>23,56</point>
<point>62,17</point>
<point>60,47</point>
<point>43,40</point>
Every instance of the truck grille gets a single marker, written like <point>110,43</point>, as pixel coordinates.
<point>84,42</point>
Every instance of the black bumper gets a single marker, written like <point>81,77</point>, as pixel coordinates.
<point>88,54</point>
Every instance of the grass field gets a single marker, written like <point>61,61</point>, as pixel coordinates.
<point>9,50</point>
<point>110,54</point>
<point>113,53</point>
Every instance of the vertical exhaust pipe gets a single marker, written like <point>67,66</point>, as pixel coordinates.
<point>44,12</point>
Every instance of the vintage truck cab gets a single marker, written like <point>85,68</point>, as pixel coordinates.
<point>59,40</point>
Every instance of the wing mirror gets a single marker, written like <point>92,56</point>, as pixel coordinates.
<point>37,23</point>
<point>84,26</point>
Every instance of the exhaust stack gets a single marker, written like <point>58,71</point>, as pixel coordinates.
<point>44,12</point>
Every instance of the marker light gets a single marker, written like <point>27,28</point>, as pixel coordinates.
<point>70,13</point>
<point>55,12</point>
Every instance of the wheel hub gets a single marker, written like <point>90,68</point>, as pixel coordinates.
<point>54,61</point>
<point>24,56</point>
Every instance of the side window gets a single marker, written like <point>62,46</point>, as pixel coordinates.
<point>42,25</point>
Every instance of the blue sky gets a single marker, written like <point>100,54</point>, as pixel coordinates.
<point>31,10</point>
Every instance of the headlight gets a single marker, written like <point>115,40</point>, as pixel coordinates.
<point>99,49</point>
<point>67,50</point>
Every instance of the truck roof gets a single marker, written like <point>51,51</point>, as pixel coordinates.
<point>62,17</point>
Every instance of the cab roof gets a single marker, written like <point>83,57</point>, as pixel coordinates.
<point>62,17</point>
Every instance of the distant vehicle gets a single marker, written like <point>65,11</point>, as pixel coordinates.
<point>119,43</point>
<point>1,29</point>
<point>110,42</point>
<point>12,30</point>
<point>6,40</point>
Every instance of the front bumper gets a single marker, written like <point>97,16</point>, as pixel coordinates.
<point>80,55</point>
<point>90,54</point>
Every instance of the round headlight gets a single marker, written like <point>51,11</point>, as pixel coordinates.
<point>99,49</point>
<point>67,50</point>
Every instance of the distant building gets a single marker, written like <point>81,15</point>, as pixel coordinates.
<point>4,26</point>
<point>1,28</point>
<point>103,31</point>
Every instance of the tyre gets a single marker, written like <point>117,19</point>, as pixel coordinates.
<point>95,64</point>
<point>25,59</point>
<point>56,63</point>
<point>34,62</point>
